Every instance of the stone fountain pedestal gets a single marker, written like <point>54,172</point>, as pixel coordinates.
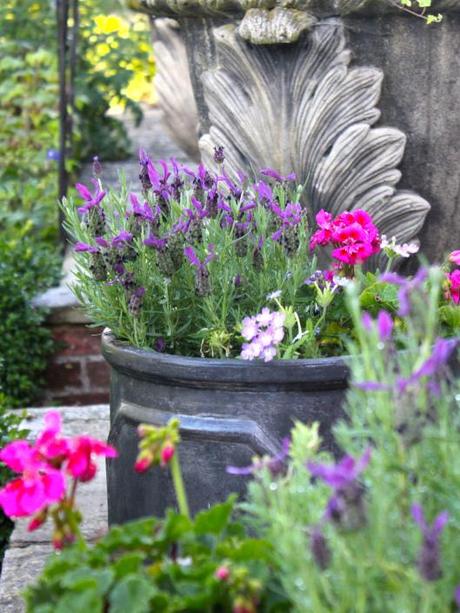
<point>355,96</point>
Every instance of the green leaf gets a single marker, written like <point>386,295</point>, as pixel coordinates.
<point>132,594</point>
<point>215,519</point>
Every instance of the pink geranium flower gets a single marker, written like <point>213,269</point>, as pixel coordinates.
<point>38,487</point>
<point>81,463</point>
<point>50,444</point>
<point>453,291</point>
<point>455,257</point>
<point>352,234</point>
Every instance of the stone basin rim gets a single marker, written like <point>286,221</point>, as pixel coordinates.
<point>319,8</point>
<point>324,373</point>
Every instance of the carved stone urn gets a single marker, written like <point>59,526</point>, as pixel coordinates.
<point>355,96</point>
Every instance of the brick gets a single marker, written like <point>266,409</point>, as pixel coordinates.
<point>62,375</point>
<point>76,340</point>
<point>98,374</point>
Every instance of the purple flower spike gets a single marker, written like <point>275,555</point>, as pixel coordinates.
<point>276,464</point>
<point>121,239</point>
<point>384,326</point>
<point>429,559</point>
<point>85,247</point>
<point>91,200</point>
<point>274,174</point>
<point>406,287</point>
<point>192,257</point>
<point>102,242</point>
<point>339,475</point>
<point>264,191</point>
<point>439,357</point>
<point>155,242</point>
<point>457,596</point>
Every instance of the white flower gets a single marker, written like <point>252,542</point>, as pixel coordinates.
<point>274,295</point>
<point>406,250</point>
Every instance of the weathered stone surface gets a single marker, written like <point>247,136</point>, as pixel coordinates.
<point>322,8</point>
<point>20,567</point>
<point>319,112</point>
<point>28,551</point>
<point>173,86</point>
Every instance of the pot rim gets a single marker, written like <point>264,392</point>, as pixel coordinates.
<point>149,364</point>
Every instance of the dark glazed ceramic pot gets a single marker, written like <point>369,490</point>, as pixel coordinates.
<point>229,410</point>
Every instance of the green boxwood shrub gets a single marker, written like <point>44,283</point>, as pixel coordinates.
<point>26,268</point>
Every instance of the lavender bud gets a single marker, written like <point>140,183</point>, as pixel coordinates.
<point>160,344</point>
<point>290,240</point>
<point>144,177</point>
<point>257,259</point>
<point>429,560</point>
<point>95,221</point>
<point>98,267</point>
<point>219,156</point>
<point>241,242</point>
<point>97,167</point>
<point>195,231</point>
<point>320,549</point>
<point>202,284</point>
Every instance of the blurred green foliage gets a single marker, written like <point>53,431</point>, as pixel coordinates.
<point>27,266</point>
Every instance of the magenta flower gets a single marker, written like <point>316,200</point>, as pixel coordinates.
<point>353,235</point>
<point>429,559</point>
<point>80,463</point>
<point>51,446</point>
<point>38,487</point>
<point>453,289</point>
<point>194,260</point>
<point>264,191</point>
<point>454,257</point>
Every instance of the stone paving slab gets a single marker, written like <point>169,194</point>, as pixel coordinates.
<point>28,551</point>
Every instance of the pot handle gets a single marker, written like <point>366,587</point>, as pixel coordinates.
<point>201,427</point>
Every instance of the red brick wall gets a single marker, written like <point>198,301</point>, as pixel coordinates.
<point>77,373</point>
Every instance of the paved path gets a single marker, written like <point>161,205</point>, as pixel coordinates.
<point>28,551</point>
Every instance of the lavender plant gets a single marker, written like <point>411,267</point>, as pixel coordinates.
<point>378,530</point>
<point>181,265</point>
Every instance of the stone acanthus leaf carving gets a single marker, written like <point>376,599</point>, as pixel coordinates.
<point>314,118</point>
<point>174,87</point>
<point>280,25</point>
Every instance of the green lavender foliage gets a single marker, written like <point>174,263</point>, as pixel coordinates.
<point>415,441</point>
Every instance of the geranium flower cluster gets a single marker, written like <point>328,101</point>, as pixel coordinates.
<point>44,469</point>
<point>264,332</point>
<point>352,234</point>
<point>453,278</point>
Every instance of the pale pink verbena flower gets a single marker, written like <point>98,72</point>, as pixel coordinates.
<point>264,331</point>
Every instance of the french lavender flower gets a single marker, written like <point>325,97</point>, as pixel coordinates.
<point>429,559</point>
<point>277,464</point>
<point>384,325</point>
<point>279,178</point>
<point>289,218</point>
<point>202,283</point>
<point>457,596</point>
<point>406,288</point>
<point>346,506</point>
<point>219,156</point>
<point>264,332</point>
<point>319,548</point>
<point>135,301</point>
<point>93,213</point>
